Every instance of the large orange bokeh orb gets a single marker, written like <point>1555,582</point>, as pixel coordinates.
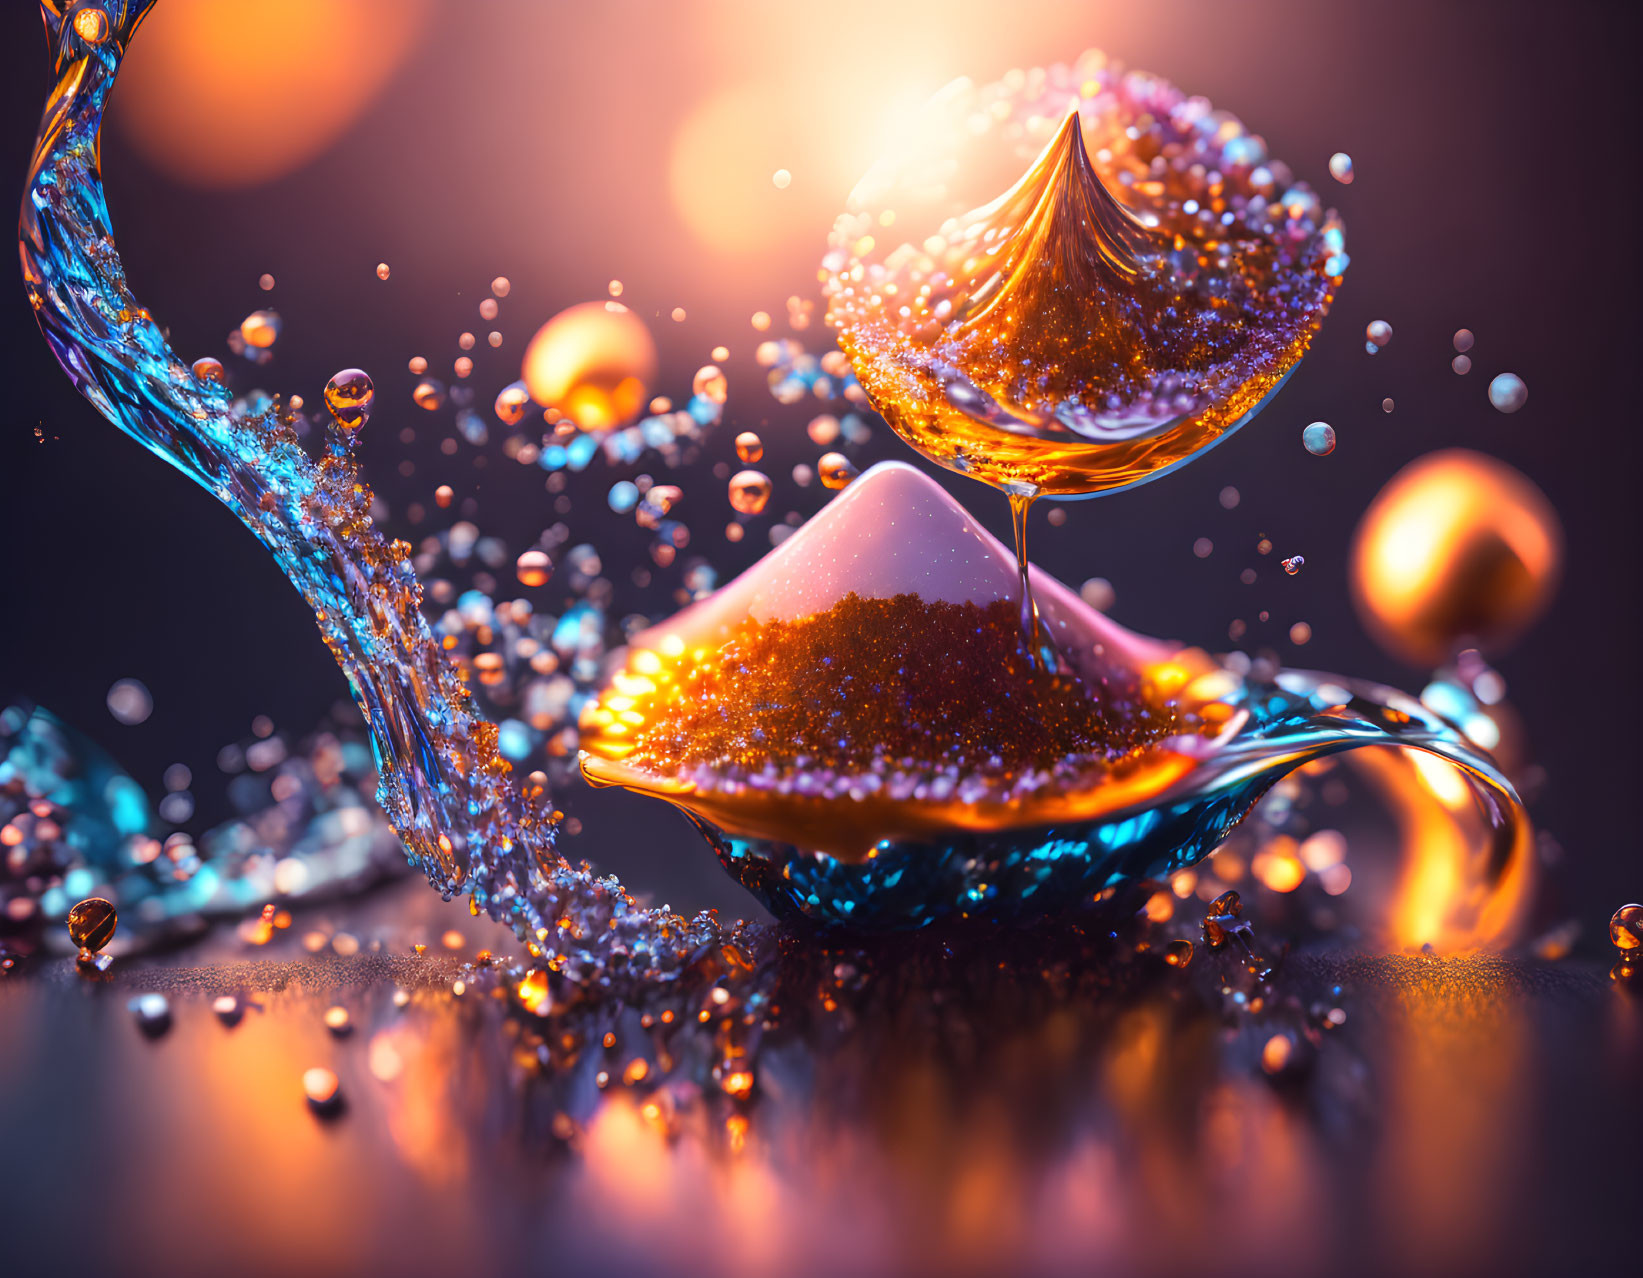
<point>593,362</point>
<point>1458,550</point>
<point>233,94</point>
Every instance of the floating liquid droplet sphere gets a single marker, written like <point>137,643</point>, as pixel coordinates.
<point>749,491</point>
<point>1319,439</point>
<point>1457,550</point>
<point>836,470</point>
<point>1508,393</point>
<point>261,329</point>
<point>1626,928</point>
<point>749,448</point>
<point>91,924</point>
<point>1136,294</point>
<point>593,362</point>
<point>349,396</point>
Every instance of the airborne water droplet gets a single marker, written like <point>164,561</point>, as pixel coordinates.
<point>1508,393</point>
<point>348,397</point>
<point>749,447</point>
<point>1319,439</point>
<point>749,491</point>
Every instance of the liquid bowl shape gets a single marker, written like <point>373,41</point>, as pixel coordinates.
<point>1145,283</point>
<point>857,728</point>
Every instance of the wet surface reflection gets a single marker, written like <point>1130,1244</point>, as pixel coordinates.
<point>983,1104</point>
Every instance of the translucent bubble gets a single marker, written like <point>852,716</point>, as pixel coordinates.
<point>781,179</point>
<point>1294,564</point>
<point>614,288</point>
<point>749,491</point>
<point>761,320</point>
<point>534,568</point>
<point>129,701</point>
<point>265,283</point>
<point>1300,633</point>
<point>210,370</point>
<point>1319,439</point>
<point>261,329</point>
<point>443,496</point>
<point>836,470</point>
<point>1462,364</point>
<point>623,496</point>
<point>511,402</point>
<point>382,270</point>
<point>1340,168</point>
<point>1626,928</point>
<point>417,365</point>
<point>349,396</point>
<point>749,447</point>
<point>1508,393</point>
<point>1464,339</point>
<point>429,394</point>
<point>1230,497</point>
<point>823,430</point>
<point>710,383</point>
<point>1379,334</point>
<point>1387,405</point>
<point>1098,593</point>
<point>500,286</point>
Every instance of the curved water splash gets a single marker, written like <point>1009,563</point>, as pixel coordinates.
<point>444,787</point>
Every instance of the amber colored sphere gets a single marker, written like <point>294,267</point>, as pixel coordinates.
<point>594,363</point>
<point>91,923</point>
<point>1458,550</point>
<point>1626,928</point>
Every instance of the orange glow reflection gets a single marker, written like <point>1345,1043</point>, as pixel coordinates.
<point>1457,890</point>
<point>1457,547</point>
<point>227,95</point>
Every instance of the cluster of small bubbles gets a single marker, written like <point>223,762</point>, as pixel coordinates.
<point>749,448</point>
<point>1379,333</point>
<point>1294,564</point>
<point>1340,168</point>
<point>1464,340</point>
<point>348,397</point>
<point>533,568</point>
<point>210,370</point>
<point>710,383</point>
<point>750,491</point>
<point>1319,439</point>
<point>781,179</point>
<point>1462,364</point>
<point>129,701</point>
<point>382,270</point>
<point>429,394</point>
<point>1508,393</point>
<point>836,470</point>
